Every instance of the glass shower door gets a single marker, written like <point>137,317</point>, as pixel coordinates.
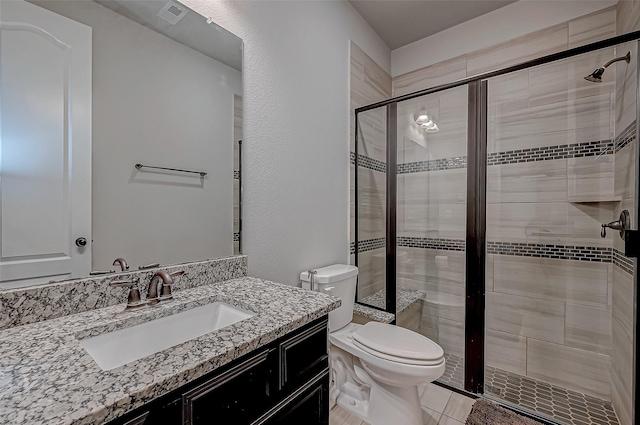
<point>560,162</point>
<point>370,208</point>
<point>431,221</point>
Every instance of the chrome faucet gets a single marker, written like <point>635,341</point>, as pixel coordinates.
<point>160,286</point>
<point>123,264</point>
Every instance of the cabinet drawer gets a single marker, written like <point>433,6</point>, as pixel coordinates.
<point>309,405</point>
<point>303,356</point>
<point>240,395</point>
<point>166,411</point>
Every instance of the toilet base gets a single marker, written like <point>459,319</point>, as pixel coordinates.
<point>374,402</point>
<point>400,406</point>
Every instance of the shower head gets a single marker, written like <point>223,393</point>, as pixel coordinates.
<point>596,76</point>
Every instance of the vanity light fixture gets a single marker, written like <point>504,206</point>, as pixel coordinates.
<point>426,123</point>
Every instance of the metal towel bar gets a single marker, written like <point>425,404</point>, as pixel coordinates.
<point>202,173</point>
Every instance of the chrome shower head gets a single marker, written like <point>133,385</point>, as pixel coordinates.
<point>596,76</point>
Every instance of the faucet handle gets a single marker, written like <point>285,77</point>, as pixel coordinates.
<point>99,272</point>
<point>133,299</point>
<point>178,273</point>
<point>149,266</point>
<point>125,283</point>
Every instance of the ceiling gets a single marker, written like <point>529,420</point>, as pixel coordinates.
<point>400,22</point>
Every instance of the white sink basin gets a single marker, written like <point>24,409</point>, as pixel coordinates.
<point>120,347</point>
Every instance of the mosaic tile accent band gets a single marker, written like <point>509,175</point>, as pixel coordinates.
<point>621,261</point>
<point>432,243</point>
<point>574,150</point>
<point>366,162</point>
<point>433,165</point>
<point>626,137</point>
<point>560,252</point>
<point>560,404</point>
<point>236,175</point>
<point>370,244</point>
<point>236,237</point>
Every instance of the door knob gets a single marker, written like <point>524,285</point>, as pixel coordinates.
<point>81,242</point>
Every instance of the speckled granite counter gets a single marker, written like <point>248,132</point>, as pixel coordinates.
<point>373,314</point>
<point>46,377</point>
<point>405,298</point>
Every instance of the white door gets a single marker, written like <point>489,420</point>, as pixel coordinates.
<point>45,145</point>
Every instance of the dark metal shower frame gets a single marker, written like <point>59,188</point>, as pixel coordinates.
<point>476,209</point>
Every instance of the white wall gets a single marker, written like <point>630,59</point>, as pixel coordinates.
<point>504,24</point>
<point>157,102</point>
<point>296,132</point>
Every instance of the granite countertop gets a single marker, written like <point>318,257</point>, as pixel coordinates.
<point>46,377</point>
<point>405,298</point>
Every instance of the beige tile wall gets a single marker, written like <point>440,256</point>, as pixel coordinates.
<point>579,31</point>
<point>371,272</point>
<point>441,275</point>
<point>547,318</point>
<point>553,315</point>
<point>368,84</point>
<point>627,20</point>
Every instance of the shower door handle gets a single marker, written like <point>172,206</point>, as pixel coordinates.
<point>632,244</point>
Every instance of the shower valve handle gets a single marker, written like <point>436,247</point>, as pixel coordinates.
<point>622,225</point>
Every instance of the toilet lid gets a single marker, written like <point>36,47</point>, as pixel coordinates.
<point>397,344</point>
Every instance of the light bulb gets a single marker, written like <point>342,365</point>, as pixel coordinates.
<point>422,118</point>
<point>432,129</point>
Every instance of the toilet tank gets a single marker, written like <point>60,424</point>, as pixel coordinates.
<point>338,280</point>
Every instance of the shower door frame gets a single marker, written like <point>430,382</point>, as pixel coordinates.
<point>476,212</point>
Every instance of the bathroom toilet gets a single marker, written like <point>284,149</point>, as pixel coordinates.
<point>376,368</point>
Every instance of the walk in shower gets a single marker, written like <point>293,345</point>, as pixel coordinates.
<point>491,193</point>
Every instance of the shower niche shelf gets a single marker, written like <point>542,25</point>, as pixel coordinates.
<point>584,200</point>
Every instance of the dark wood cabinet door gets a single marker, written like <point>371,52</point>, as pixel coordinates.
<point>238,396</point>
<point>303,356</point>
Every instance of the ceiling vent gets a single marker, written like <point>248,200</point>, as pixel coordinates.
<point>172,12</point>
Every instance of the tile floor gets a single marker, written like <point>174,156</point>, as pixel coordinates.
<point>439,407</point>
<point>562,405</point>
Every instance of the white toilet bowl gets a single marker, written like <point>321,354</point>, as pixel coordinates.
<point>375,368</point>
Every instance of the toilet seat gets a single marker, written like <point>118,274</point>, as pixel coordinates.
<point>397,344</point>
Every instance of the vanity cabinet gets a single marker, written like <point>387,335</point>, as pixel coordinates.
<point>285,382</point>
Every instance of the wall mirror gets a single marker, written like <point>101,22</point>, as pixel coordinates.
<point>94,95</point>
